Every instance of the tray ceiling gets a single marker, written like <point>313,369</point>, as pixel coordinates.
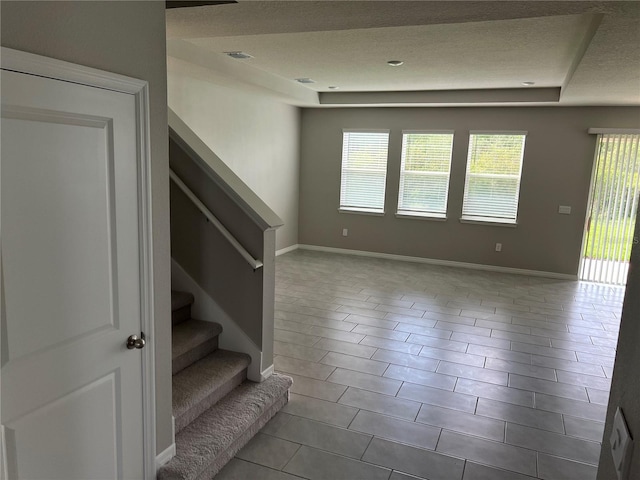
<point>585,52</point>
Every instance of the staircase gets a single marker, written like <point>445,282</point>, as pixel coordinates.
<point>216,409</point>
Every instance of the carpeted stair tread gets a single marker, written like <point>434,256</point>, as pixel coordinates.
<point>191,341</point>
<point>180,306</point>
<point>190,334</point>
<point>209,442</point>
<point>202,384</point>
<point>180,299</point>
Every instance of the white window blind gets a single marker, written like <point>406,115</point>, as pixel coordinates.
<point>424,173</point>
<point>609,233</point>
<point>364,170</point>
<point>492,184</point>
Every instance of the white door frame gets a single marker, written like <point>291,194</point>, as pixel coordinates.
<point>23,62</point>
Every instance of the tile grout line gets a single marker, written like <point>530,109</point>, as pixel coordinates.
<point>542,318</point>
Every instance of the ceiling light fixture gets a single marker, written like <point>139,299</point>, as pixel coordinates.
<point>238,55</point>
<point>395,63</point>
<point>333,87</point>
<point>528,84</point>
<point>305,80</point>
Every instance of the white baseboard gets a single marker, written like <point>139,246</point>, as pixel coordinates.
<point>206,308</point>
<point>163,457</point>
<point>445,263</point>
<point>266,373</point>
<point>288,249</point>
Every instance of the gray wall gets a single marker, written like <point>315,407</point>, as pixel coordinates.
<point>207,256</point>
<point>126,38</point>
<point>625,385</point>
<point>557,171</point>
<point>257,137</point>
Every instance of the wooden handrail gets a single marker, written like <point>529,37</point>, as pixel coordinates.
<point>255,264</point>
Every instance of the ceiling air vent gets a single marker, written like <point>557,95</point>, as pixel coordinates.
<point>171,4</point>
<point>238,55</point>
<point>305,80</point>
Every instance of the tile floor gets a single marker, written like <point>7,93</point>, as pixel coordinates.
<point>405,371</point>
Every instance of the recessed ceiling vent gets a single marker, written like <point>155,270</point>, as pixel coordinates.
<point>305,80</point>
<point>171,4</point>
<point>238,55</point>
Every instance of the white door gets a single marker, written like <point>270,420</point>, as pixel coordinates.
<point>72,402</point>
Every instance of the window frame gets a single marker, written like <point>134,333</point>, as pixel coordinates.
<point>423,213</point>
<point>493,220</point>
<point>363,210</point>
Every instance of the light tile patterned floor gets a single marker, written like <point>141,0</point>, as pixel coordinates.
<point>404,370</point>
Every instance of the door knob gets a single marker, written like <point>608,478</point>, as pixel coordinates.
<point>136,342</point>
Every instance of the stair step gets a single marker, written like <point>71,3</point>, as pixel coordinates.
<point>199,386</point>
<point>180,306</point>
<point>208,443</point>
<point>191,341</point>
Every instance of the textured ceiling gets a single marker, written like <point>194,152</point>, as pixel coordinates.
<point>497,54</point>
<point>586,50</point>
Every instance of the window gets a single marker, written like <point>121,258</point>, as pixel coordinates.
<point>364,170</point>
<point>492,184</point>
<point>424,173</point>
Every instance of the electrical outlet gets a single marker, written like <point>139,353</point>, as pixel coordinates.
<point>345,232</point>
<point>498,247</point>
<point>564,209</point>
<point>621,445</point>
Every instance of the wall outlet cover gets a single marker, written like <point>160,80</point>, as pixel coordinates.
<point>621,445</point>
<point>564,210</point>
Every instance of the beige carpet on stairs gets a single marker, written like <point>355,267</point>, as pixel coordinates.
<point>201,385</point>
<point>207,444</point>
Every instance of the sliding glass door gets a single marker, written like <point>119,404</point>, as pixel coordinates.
<point>609,232</point>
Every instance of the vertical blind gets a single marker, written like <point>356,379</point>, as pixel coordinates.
<point>492,183</point>
<point>364,170</point>
<point>424,173</point>
<point>612,210</point>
